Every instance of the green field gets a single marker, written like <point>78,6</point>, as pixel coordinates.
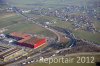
<point>88,36</point>
<point>18,23</point>
<point>30,28</point>
<point>80,33</point>
<point>97,24</point>
<point>4,22</point>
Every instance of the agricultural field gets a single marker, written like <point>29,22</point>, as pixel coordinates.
<point>87,36</point>
<point>80,33</point>
<point>17,23</point>
<point>29,28</point>
<point>5,15</point>
<point>9,19</point>
<point>97,24</point>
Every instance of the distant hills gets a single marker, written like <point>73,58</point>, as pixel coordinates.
<point>46,3</point>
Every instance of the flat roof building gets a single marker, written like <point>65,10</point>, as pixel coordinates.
<point>28,41</point>
<point>11,54</point>
<point>24,36</point>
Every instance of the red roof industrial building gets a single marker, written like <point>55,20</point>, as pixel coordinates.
<point>29,41</point>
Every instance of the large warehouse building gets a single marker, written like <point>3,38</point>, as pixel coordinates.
<point>28,40</point>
